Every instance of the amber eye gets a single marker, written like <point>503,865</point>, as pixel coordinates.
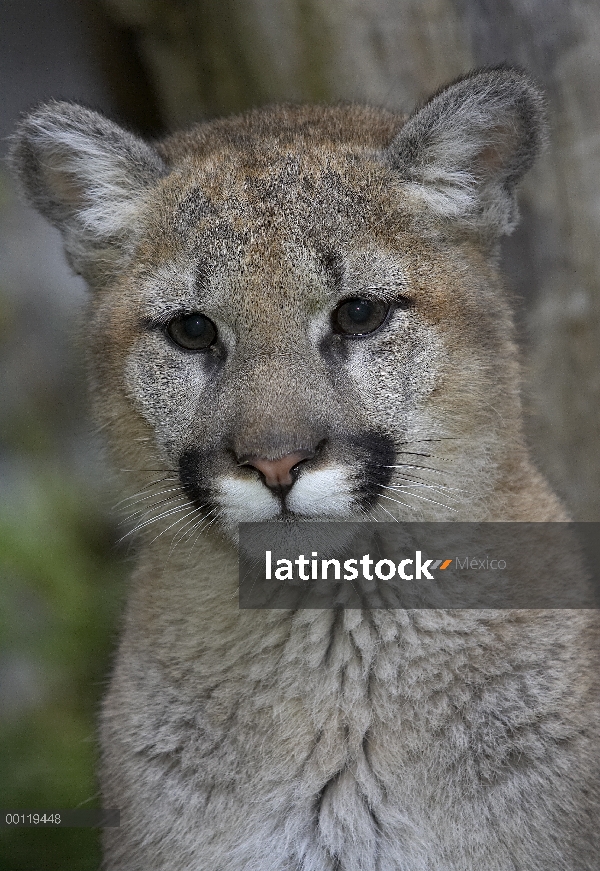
<point>357,316</point>
<point>193,332</point>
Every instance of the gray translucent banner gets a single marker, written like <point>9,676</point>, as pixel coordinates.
<point>419,565</point>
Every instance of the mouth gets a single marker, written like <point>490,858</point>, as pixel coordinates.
<point>297,487</point>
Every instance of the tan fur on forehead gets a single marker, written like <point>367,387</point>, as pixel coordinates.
<point>282,125</point>
<point>299,189</point>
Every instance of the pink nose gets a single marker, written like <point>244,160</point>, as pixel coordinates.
<point>278,473</point>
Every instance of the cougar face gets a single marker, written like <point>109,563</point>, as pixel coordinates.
<point>280,416</point>
<point>292,330</point>
<point>296,312</point>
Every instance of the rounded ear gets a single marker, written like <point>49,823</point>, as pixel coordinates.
<point>464,151</point>
<point>89,177</point>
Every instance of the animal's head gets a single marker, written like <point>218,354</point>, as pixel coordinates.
<point>297,311</point>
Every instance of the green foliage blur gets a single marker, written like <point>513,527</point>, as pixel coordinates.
<point>58,601</point>
<point>61,584</point>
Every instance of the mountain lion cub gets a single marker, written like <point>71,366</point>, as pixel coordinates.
<point>297,313</point>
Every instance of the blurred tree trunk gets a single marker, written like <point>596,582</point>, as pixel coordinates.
<point>210,57</point>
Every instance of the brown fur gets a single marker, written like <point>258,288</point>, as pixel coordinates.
<point>320,740</point>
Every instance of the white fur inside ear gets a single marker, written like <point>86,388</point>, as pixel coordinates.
<point>321,493</point>
<point>448,194</point>
<point>90,178</point>
<point>438,181</point>
<point>462,154</point>
<point>99,182</point>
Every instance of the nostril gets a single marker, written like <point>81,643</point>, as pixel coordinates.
<point>278,474</point>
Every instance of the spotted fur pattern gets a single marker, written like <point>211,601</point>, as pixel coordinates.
<point>320,740</point>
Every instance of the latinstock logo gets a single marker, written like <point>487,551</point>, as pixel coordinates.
<point>303,569</point>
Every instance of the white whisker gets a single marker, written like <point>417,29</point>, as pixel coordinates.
<point>437,488</point>
<point>137,516</point>
<point>185,529</point>
<point>154,520</point>
<point>144,498</point>
<point>397,501</point>
<point>137,471</point>
<point>179,519</point>
<point>383,508</point>
<point>414,466</point>
<point>424,498</point>
<point>201,526</point>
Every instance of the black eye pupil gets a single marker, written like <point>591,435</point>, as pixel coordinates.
<point>359,310</point>
<point>194,326</point>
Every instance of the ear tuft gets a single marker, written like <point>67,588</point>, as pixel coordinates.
<point>88,176</point>
<point>463,153</point>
